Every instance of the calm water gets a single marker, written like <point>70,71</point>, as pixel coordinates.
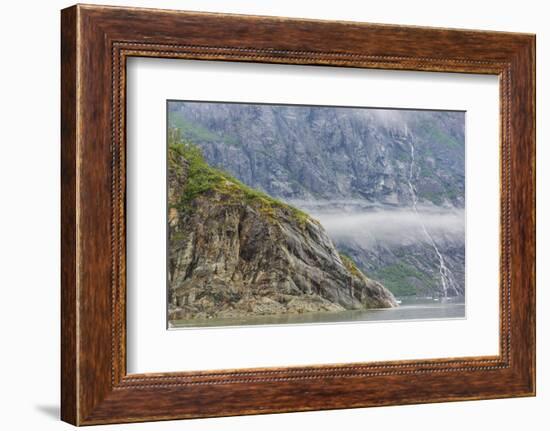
<point>409,309</point>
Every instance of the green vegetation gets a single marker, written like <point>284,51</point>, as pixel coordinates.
<point>202,178</point>
<point>434,197</point>
<point>449,190</point>
<point>426,171</point>
<point>350,264</point>
<point>454,190</point>
<point>432,132</point>
<point>399,279</point>
<point>197,133</point>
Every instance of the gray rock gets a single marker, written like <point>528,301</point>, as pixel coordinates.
<point>314,154</point>
<point>232,257</point>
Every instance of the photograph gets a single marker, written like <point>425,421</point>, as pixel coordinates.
<point>271,215</point>
<point>305,214</point>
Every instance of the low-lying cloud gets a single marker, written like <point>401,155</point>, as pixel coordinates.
<point>370,227</point>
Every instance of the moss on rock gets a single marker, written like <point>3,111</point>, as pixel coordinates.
<point>202,178</point>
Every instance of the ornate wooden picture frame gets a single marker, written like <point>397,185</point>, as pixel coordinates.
<point>96,41</point>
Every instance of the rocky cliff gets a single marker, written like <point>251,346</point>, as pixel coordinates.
<point>406,168</point>
<point>235,251</point>
<point>328,153</point>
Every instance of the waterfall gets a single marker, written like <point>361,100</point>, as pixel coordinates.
<point>446,276</point>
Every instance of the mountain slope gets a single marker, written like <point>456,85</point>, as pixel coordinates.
<point>315,152</point>
<point>347,163</point>
<point>235,251</point>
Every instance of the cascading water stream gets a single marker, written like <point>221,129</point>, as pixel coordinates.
<point>446,275</point>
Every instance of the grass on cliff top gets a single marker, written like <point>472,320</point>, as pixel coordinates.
<point>202,178</point>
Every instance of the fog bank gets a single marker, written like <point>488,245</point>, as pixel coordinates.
<point>391,226</point>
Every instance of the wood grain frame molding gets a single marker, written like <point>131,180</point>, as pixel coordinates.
<point>96,41</point>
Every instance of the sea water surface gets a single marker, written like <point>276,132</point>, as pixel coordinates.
<point>409,309</point>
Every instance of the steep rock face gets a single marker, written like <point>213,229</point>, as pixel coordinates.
<point>232,255</point>
<point>347,160</point>
<point>300,152</point>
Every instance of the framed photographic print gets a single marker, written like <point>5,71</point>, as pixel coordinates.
<point>266,215</point>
